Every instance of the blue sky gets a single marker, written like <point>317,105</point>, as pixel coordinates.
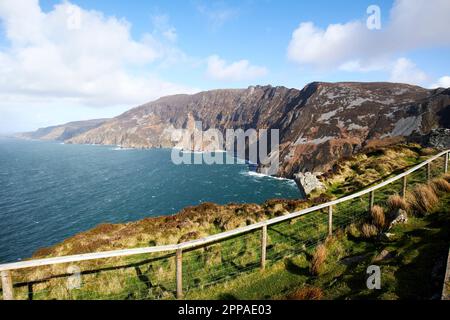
<point>78,59</point>
<point>259,31</point>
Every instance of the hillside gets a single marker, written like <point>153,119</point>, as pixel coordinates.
<point>291,244</point>
<point>64,131</point>
<point>319,124</point>
<point>209,218</point>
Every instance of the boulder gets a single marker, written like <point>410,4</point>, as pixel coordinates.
<point>400,216</point>
<point>439,138</point>
<point>308,182</point>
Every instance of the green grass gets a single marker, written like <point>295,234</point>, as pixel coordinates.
<point>420,247</point>
<point>230,269</point>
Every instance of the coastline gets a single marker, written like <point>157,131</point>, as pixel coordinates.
<point>208,218</point>
<point>249,189</point>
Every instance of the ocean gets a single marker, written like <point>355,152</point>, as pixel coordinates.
<point>50,191</point>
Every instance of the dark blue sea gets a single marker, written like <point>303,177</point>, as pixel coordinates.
<point>50,191</point>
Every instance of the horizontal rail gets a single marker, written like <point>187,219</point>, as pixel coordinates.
<point>209,239</point>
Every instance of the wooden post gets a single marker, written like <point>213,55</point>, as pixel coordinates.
<point>7,285</point>
<point>330,220</point>
<point>371,199</point>
<point>179,270</point>
<point>428,171</point>
<point>404,186</point>
<point>263,247</point>
<point>446,163</point>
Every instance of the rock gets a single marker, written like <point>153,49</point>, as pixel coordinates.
<point>440,138</point>
<point>318,125</point>
<point>400,217</point>
<point>308,182</point>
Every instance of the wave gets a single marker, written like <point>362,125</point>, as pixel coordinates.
<point>121,149</point>
<point>261,176</point>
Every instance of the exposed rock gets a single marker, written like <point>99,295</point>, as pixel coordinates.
<point>318,125</point>
<point>400,216</point>
<point>308,182</point>
<point>440,138</point>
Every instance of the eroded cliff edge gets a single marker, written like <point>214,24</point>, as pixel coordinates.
<point>318,125</point>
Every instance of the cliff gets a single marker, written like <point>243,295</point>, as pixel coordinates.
<point>64,131</point>
<point>318,125</point>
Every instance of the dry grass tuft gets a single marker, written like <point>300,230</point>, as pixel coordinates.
<point>446,177</point>
<point>396,202</point>
<point>378,217</point>
<point>440,185</point>
<point>353,230</point>
<point>369,231</point>
<point>318,260</point>
<point>427,151</point>
<point>306,293</point>
<point>422,199</point>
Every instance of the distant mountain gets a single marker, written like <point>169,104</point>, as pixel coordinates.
<point>318,125</point>
<point>62,132</point>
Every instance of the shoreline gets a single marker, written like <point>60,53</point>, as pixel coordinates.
<point>250,176</point>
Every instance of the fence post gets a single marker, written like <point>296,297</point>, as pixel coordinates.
<point>371,199</point>
<point>179,271</point>
<point>330,220</point>
<point>404,186</point>
<point>7,285</point>
<point>263,246</point>
<point>446,163</point>
<point>428,171</point>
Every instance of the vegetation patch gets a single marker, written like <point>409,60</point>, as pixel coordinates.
<point>297,267</point>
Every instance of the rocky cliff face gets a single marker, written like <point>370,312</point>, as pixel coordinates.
<point>318,125</point>
<point>63,132</point>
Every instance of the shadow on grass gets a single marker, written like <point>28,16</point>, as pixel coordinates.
<point>422,277</point>
<point>293,268</point>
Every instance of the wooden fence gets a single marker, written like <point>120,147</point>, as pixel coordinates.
<point>5,269</point>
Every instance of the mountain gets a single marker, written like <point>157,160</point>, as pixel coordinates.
<point>318,125</point>
<point>64,131</point>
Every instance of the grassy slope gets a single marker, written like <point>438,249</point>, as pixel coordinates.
<point>150,276</point>
<point>414,269</point>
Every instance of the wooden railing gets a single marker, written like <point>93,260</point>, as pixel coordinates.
<point>5,269</point>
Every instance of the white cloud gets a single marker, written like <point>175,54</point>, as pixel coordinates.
<point>337,45</point>
<point>88,59</point>
<point>218,69</point>
<point>405,71</point>
<point>162,24</point>
<point>443,82</point>
<point>412,24</point>
<point>217,14</point>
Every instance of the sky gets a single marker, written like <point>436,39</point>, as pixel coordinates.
<point>62,61</point>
